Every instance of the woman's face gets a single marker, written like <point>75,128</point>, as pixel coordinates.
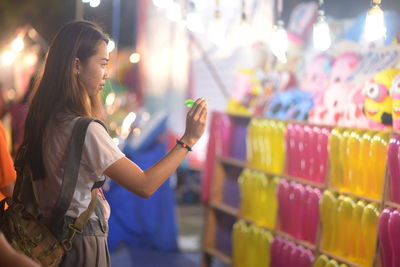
<point>93,72</point>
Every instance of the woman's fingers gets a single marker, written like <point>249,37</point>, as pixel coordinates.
<point>197,106</point>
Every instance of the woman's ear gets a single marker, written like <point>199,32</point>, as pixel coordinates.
<point>77,65</point>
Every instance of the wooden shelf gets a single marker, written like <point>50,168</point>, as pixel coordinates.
<point>392,204</point>
<point>340,259</point>
<point>287,236</point>
<point>225,208</point>
<point>218,254</point>
<point>368,199</point>
<point>303,243</point>
<point>241,164</point>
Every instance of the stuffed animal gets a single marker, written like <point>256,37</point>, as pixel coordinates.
<point>331,109</point>
<point>316,77</point>
<point>343,67</point>
<point>395,94</point>
<point>377,102</point>
<point>290,104</point>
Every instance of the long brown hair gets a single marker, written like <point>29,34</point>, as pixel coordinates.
<point>59,89</point>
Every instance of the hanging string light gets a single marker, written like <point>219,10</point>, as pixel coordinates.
<point>279,39</point>
<point>217,31</point>
<point>321,32</point>
<point>244,31</point>
<point>374,28</point>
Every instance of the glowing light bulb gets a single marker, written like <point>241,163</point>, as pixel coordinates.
<point>374,28</point>
<point>162,3</point>
<point>194,22</point>
<point>174,12</point>
<point>8,58</point>
<point>134,58</point>
<point>217,31</point>
<point>321,33</point>
<point>18,44</point>
<point>94,3</point>
<point>244,34</point>
<point>279,42</point>
<point>110,46</point>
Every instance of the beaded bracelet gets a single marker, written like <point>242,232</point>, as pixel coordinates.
<point>182,144</point>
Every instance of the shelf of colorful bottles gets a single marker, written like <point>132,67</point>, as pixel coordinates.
<point>220,255</point>
<point>240,164</point>
<point>225,208</point>
<point>340,259</point>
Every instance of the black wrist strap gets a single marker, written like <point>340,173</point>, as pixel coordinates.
<point>184,145</point>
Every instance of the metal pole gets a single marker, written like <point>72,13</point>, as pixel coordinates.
<point>78,10</point>
<point>116,21</point>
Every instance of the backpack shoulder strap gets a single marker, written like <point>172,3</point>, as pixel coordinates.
<point>71,169</point>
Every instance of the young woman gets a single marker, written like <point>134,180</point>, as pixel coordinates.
<point>74,74</point>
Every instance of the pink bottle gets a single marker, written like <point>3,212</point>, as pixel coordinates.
<point>323,154</point>
<point>386,249</point>
<point>298,209</point>
<point>289,148</point>
<point>294,256</point>
<point>283,207</point>
<point>287,249</point>
<point>306,258</point>
<point>394,236</point>
<point>302,147</point>
<point>312,215</point>
<point>276,249</point>
<point>393,166</point>
<point>311,142</point>
<point>297,150</point>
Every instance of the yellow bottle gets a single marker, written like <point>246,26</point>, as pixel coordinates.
<point>353,155</point>
<point>239,236</point>
<point>263,252</point>
<point>332,263</point>
<point>336,168</point>
<point>345,233</point>
<point>359,244</point>
<point>378,151</point>
<point>328,204</point>
<point>321,261</point>
<point>344,160</point>
<point>369,225</point>
<point>365,169</point>
<point>280,146</point>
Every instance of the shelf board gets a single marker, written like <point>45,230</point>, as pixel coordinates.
<point>340,259</point>
<point>218,254</point>
<point>225,208</point>
<point>240,164</point>
<point>368,199</point>
<point>392,204</point>
<point>303,243</point>
<point>233,162</point>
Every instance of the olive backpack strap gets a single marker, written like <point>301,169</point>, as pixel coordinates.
<point>71,168</point>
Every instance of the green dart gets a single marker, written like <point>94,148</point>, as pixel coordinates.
<point>189,103</point>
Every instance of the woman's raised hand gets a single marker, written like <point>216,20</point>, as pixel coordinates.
<point>196,119</point>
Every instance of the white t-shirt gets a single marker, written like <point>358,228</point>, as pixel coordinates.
<point>99,152</point>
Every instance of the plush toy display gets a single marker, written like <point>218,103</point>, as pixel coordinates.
<point>332,108</point>
<point>395,94</point>
<point>291,104</point>
<point>378,102</point>
<point>316,77</point>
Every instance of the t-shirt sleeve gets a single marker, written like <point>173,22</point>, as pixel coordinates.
<point>7,172</point>
<point>99,151</point>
